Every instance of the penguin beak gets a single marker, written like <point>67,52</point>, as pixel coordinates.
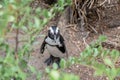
<point>55,37</point>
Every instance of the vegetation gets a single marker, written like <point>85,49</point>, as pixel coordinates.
<point>18,16</point>
<point>103,61</point>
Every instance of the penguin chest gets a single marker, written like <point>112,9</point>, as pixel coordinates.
<point>53,50</point>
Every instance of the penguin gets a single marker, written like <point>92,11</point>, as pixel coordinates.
<point>54,43</point>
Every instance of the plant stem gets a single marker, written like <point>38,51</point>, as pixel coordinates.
<point>17,43</point>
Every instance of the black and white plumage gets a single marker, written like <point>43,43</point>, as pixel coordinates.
<point>54,43</point>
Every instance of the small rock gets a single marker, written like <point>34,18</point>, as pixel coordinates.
<point>118,27</point>
<point>77,66</point>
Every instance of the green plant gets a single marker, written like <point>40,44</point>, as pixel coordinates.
<point>16,16</point>
<point>54,74</point>
<point>102,60</point>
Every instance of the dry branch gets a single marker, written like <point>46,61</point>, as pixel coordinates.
<point>82,11</point>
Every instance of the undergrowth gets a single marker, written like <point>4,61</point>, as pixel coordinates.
<point>103,61</point>
<point>17,16</point>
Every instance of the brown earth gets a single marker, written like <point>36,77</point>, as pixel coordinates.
<point>76,41</point>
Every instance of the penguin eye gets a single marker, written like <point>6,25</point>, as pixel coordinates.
<point>50,34</point>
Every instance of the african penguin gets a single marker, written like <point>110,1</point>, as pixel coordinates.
<point>54,43</point>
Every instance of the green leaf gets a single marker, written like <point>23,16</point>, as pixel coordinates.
<point>63,63</point>
<point>11,18</point>
<point>47,70</point>
<point>71,60</point>
<point>22,75</point>
<point>37,22</point>
<point>69,77</point>
<point>108,62</point>
<point>55,66</point>
<point>24,28</point>
<point>96,53</point>
<point>23,64</point>
<point>32,69</point>
<point>61,2</point>
<point>69,2</point>
<point>54,75</point>
<point>115,54</point>
<point>38,76</point>
<point>102,38</point>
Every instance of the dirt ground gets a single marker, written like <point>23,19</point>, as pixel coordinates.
<point>76,42</point>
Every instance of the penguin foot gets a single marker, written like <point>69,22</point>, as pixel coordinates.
<point>50,60</point>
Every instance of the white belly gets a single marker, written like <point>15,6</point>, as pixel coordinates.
<point>55,51</point>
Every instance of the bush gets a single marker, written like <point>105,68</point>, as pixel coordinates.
<point>15,16</point>
<point>102,60</point>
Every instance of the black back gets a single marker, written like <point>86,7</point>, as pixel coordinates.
<point>63,47</point>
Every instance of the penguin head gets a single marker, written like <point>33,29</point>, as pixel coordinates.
<point>54,32</point>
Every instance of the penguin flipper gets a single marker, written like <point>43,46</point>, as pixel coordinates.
<point>63,47</point>
<point>42,48</point>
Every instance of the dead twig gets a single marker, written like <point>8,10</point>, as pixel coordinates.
<point>17,42</point>
<point>93,29</point>
<point>103,3</point>
<point>82,11</point>
<point>84,39</point>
